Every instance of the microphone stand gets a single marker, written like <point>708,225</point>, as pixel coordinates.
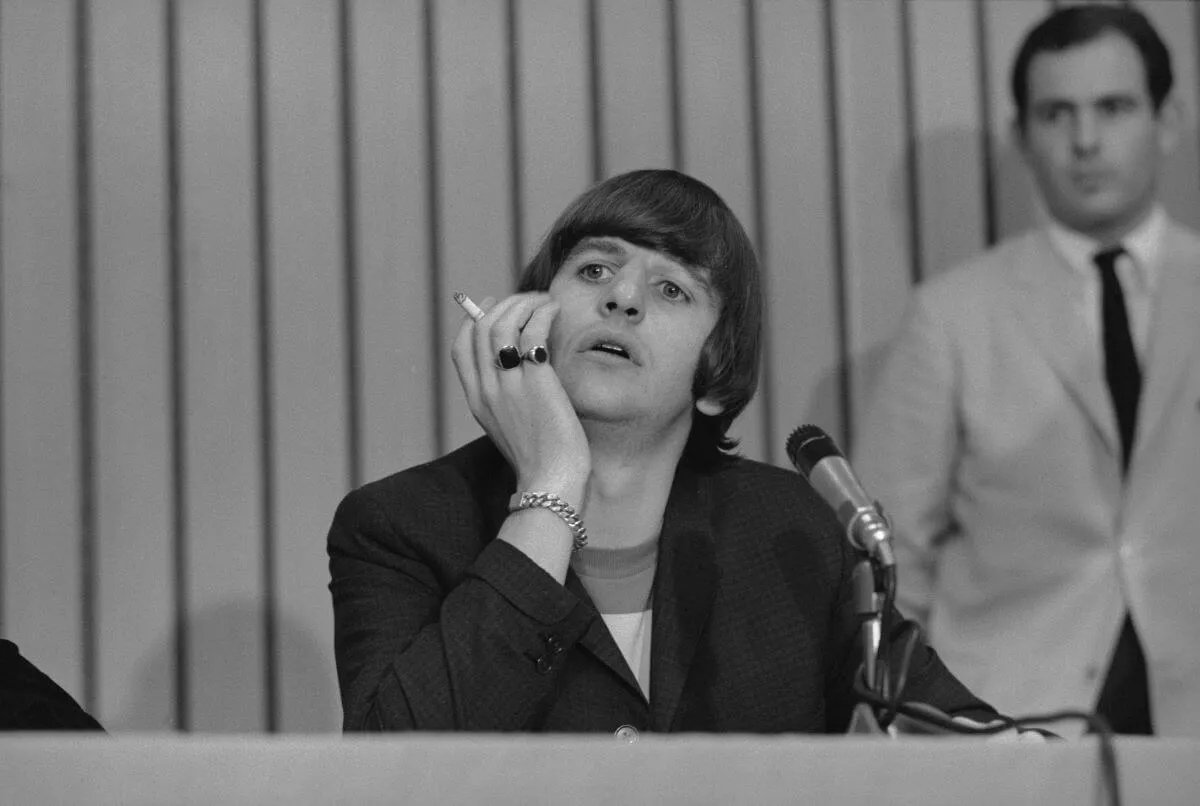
<point>868,601</point>
<point>870,529</point>
<point>870,581</point>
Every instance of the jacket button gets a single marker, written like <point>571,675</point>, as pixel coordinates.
<point>554,644</point>
<point>543,664</point>
<point>627,733</point>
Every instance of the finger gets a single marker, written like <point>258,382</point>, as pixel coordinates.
<point>462,354</point>
<point>485,353</point>
<point>536,332</point>
<point>506,331</point>
<point>509,324</point>
<point>462,351</point>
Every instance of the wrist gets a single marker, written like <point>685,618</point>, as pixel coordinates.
<point>570,488</point>
<point>523,500</point>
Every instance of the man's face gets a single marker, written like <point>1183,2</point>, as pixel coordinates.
<point>629,333</point>
<point>1092,137</point>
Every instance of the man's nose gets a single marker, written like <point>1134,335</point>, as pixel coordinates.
<point>626,295</point>
<point>1085,133</point>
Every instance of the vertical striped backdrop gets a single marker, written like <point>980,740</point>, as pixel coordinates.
<point>229,232</point>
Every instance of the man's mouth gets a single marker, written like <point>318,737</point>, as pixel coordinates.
<point>611,344</point>
<point>1090,179</point>
<point>610,348</point>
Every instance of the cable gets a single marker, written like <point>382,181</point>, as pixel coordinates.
<point>927,714</point>
<point>897,696</point>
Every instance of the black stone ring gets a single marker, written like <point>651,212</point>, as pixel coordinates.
<point>537,354</point>
<point>509,357</point>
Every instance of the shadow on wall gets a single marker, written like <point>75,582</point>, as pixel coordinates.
<point>227,652</point>
<point>952,225</point>
<point>1179,187</point>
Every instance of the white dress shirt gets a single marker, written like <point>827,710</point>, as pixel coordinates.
<point>1137,270</point>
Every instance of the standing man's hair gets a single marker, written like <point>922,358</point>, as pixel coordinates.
<point>1078,25</point>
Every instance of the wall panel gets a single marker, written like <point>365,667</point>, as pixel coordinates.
<point>635,85</point>
<point>43,527</point>
<point>945,141</point>
<point>225,644</point>
<point>800,254</point>
<point>310,460</point>
<point>135,539</point>
<point>875,181</point>
<point>1177,22</point>
<point>554,103</point>
<point>395,297</point>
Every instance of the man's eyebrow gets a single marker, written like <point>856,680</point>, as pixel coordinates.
<point>607,246</point>
<point>1116,95</point>
<point>1058,102</point>
<point>1054,103</point>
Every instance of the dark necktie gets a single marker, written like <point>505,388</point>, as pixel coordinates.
<point>1120,358</point>
<point>1125,695</point>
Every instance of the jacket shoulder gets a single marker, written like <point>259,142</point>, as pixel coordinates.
<point>454,472</point>
<point>1185,238</point>
<point>989,272</point>
<point>770,497</point>
<point>454,493</point>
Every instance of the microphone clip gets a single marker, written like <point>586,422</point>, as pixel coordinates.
<point>869,529</point>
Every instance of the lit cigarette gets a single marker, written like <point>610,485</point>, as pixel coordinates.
<point>473,310</point>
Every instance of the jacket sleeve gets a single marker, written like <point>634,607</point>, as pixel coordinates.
<point>908,447</point>
<point>31,700</point>
<point>421,647</point>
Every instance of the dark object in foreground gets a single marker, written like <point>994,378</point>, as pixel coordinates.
<point>30,700</point>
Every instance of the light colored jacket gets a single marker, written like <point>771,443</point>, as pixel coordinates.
<point>992,443</point>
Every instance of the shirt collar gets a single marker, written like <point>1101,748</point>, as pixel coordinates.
<point>1144,245</point>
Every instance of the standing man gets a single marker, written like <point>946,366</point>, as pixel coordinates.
<point>1035,436</point>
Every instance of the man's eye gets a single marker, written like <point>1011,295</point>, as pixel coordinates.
<point>1052,114</point>
<point>1116,106</point>
<point>673,292</point>
<point>592,271</point>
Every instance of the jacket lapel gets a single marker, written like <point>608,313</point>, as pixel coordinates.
<point>1044,295</point>
<point>1173,335</point>
<point>684,587</point>
<point>598,640</point>
<point>685,584</point>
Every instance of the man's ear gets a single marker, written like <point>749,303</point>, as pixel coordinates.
<point>706,405</point>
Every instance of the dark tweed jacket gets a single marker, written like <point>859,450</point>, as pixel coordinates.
<point>438,626</point>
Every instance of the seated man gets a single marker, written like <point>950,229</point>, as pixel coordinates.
<point>601,561</point>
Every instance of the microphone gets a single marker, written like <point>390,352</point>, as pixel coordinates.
<point>818,459</point>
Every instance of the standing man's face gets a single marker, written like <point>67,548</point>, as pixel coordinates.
<point>1092,136</point>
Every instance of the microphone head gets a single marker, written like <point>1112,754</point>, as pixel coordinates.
<point>808,445</point>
